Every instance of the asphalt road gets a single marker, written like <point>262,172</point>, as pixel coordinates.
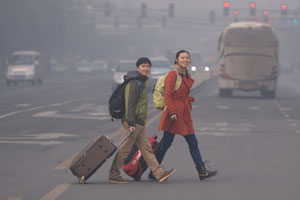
<point>253,142</point>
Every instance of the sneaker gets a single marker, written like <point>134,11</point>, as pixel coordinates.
<point>166,174</point>
<point>118,180</point>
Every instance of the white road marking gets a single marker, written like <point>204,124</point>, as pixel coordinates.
<point>50,135</point>
<point>297,131</point>
<point>222,129</point>
<point>284,109</point>
<point>32,109</point>
<point>221,124</point>
<point>32,139</point>
<point>223,107</point>
<point>294,125</point>
<point>74,116</point>
<point>22,105</point>
<point>30,142</point>
<point>254,108</point>
<point>286,115</point>
<point>60,104</point>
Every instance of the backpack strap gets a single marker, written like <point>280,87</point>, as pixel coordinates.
<point>177,79</point>
<point>141,86</point>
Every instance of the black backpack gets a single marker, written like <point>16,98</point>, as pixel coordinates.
<point>116,101</point>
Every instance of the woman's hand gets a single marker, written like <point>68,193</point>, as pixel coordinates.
<point>173,117</point>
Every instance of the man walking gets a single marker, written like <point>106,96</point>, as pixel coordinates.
<point>134,120</point>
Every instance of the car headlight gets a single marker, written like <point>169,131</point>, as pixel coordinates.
<point>206,68</point>
<point>193,68</point>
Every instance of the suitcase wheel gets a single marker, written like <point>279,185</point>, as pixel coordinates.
<point>82,180</point>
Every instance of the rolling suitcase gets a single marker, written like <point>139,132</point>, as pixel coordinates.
<point>92,157</point>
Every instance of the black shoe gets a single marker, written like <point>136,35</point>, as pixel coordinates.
<point>204,173</point>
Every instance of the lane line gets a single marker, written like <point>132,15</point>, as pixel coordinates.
<point>30,142</point>
<point>56,192</point>
<point>66,163</point>
<point>32,109</point>
<point>14,198</point>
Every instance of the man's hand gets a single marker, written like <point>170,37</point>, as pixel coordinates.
<point>132,128</point>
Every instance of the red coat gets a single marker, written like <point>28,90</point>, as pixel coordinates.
<point>178,102</point>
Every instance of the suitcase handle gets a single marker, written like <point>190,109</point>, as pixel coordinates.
<point>131,132</point>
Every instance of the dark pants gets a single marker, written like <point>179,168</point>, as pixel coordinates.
<point>167,140</point>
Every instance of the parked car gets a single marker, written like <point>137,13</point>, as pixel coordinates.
<point>122,68</point>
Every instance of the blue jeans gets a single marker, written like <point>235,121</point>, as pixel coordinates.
<point>167,140</point>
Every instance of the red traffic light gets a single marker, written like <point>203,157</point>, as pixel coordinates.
<point>236,12</point>
<point>252,5</point>
<point>266,13</point>
<point>226,4</point>
<point>283,7</point>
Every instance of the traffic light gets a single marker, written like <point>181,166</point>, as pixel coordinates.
<point>235,12</point>
<point>266,16</point>
<point>171,10</point>
<point>295,21</point>
<point>283,9</point>
<point>226,7</point>
<point>252,8</point>
<point>236,15</point>
<point>107,9</point>
<point>212,16</point>
<point>144,10</point>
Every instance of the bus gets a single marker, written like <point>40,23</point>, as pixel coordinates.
<point>248,59</point>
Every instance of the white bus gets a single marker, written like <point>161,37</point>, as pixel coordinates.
<point>248,59</point>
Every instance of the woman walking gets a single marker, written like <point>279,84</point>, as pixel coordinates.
<point>178,108</point>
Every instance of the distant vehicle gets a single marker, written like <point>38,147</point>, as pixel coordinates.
<point>100,65</point>
<point>286,67</point>
<point>123,67</point>
<point>57,67</point>
<point>160,67</point>
<point>248,59</point>
<point>25,66</point>
<point>85,67</point>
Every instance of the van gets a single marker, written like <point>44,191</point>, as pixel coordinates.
<point>25,66</point>
<point>248,59</point>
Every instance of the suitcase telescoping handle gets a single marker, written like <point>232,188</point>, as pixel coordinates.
<point>131,132</point>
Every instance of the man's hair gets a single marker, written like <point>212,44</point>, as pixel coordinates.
<point>143,60</point>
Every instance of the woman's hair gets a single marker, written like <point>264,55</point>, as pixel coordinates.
<point>178,53</point>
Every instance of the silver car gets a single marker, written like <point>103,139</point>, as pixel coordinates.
<point>123,67</point>
<point>160,67</point>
